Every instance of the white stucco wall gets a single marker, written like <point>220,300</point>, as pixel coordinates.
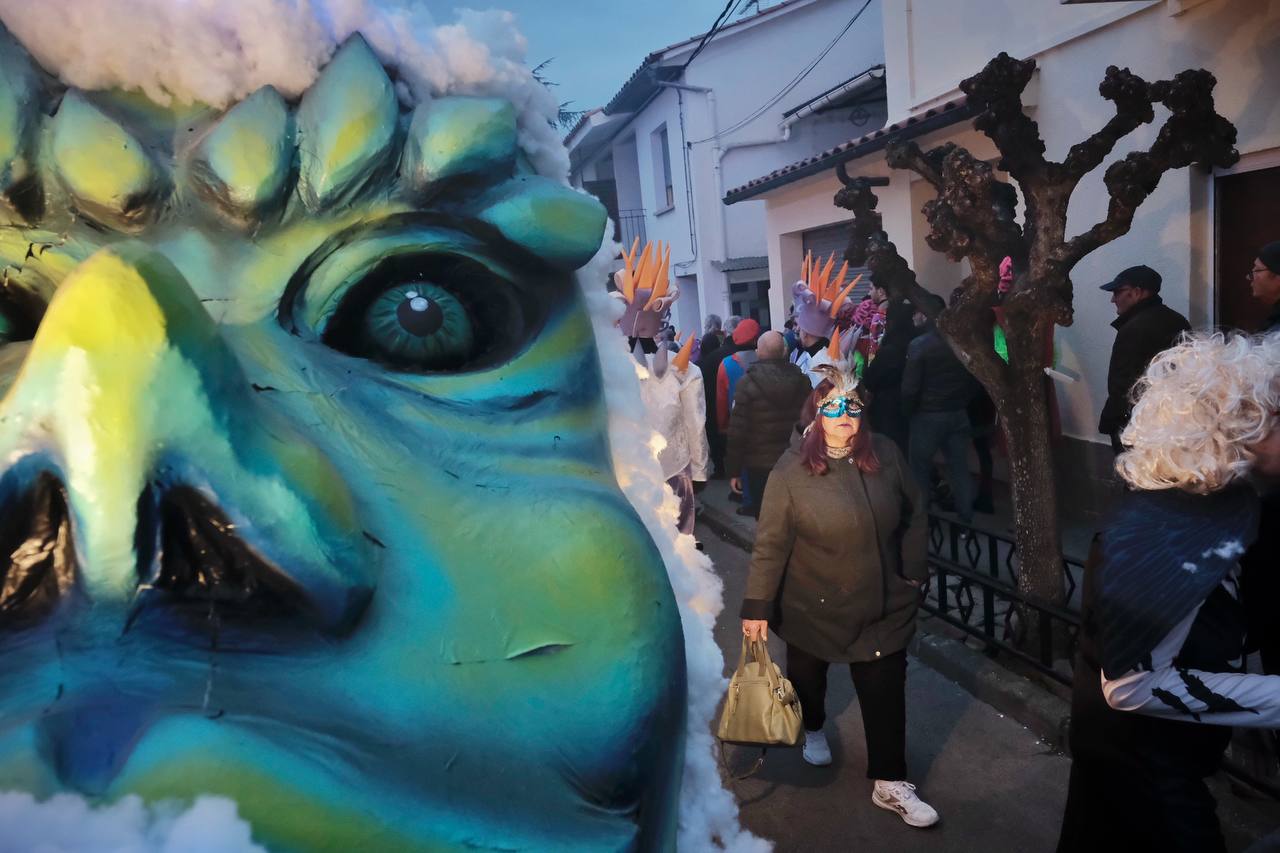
<point>1173,231</point>
<point>744,68</point>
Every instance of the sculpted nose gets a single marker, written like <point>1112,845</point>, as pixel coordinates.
<point>130,393</point>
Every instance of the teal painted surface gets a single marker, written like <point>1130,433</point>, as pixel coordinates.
<point>461,635</point>
<point>547,218</point>
<point>244,162</point>
<point>454,137</point>
<point>103,165</point>
<point>17,89</point>
<point>346,125</point>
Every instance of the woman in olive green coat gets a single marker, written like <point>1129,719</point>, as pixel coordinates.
<point>837,564</point>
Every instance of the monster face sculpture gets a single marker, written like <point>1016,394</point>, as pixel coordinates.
<point>305,496</point>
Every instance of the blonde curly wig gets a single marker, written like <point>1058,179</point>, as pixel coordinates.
<point>1200,405</point>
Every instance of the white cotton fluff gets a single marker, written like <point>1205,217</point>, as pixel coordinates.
<point>217,52</point>
<point>708,811</point>
<point>66,824</point>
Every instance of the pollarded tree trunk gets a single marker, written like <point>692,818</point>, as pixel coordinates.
<point>973,217</point>
<point>1035,500</point>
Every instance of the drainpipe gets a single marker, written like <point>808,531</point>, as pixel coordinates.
<point>717,155</point>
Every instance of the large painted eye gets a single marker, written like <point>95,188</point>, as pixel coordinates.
<point>426,313</point>
<point>417,324</point>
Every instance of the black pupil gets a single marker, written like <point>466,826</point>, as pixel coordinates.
<point>419,316</point>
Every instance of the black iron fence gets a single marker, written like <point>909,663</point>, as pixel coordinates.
<point>973,586</point>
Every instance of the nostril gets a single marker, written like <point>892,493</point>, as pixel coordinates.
<point>38,567</point>
<point>200,578</point>
<point>146,535</point>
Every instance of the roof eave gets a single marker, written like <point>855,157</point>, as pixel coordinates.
<point>950,114</point>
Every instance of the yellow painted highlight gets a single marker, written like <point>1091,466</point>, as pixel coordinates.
<point>99,160</point>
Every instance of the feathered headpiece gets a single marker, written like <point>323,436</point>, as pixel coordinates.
<point>843,378</point>
<point>844,383</point>
<point>645,288</point>
<point>818,297</point>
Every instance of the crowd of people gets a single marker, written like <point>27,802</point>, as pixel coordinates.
<point>828,432</point>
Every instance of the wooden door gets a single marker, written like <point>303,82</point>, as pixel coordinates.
<point>1247,206</point>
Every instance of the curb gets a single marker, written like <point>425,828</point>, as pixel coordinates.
<point>990,682</point>
<point>724,527</point>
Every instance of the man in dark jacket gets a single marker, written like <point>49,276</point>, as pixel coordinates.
<point>936,390</point>
<point>766,406</point>
<point>883,376</point>
<point>1264,281</point>
<point>1144,328</point>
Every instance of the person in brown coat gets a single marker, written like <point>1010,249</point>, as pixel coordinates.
<point>839,556</point>
<point>766,407</point>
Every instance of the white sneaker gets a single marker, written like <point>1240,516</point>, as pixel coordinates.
<point>816,749</point>
<point>901,797</point>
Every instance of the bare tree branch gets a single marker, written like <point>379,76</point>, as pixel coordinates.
<point>973,213</point>
<point>996,91</point>
<point>1133,99</point>
<point>1193,133</point>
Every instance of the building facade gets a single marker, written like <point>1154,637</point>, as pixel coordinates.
<point>1199,229</point>
<point>766,90</point>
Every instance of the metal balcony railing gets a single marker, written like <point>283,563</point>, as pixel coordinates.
<point>630,226</point>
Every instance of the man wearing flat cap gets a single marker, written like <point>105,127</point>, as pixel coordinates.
<point>1264,281</point>
<point>1144,326</point>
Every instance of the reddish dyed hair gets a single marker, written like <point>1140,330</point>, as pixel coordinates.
<point>813,449</point>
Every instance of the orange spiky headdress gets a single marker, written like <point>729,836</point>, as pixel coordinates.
<point>681,361</point>
<point>819,296</point>
<point>645,287</point>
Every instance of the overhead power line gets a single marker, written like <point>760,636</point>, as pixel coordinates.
<point>710,34</point>
<point>795,81</point>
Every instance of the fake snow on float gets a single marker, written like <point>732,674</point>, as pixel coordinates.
<point>66,824</point>
<point>218,53</point>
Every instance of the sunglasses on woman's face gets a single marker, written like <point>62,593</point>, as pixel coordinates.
<point>841,406</point>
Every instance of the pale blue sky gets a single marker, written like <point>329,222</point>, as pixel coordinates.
<point>597,44</point>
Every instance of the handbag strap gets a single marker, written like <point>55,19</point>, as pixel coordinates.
<point>760,651</point>
<point>747,650</point>
<point>724,762</point>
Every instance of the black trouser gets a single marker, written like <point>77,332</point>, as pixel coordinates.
<point>715,444</point>
<point>882,696</point>
<point>1116,444</point>
<point>756,480</point>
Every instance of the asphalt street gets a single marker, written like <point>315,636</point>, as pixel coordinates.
<point>997,786</point>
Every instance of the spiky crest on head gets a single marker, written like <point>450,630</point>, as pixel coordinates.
<point>645,287</point>
<point>264,163</point>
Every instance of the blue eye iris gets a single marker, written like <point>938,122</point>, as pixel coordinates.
<point>417,324</point>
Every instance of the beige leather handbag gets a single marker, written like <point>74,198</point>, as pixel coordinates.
<point>762,708</point>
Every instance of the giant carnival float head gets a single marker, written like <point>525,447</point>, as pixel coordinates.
<point>309,498</point>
